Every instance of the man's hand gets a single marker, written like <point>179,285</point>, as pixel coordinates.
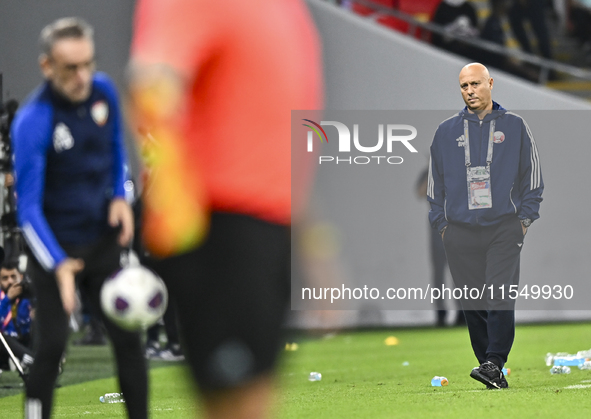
<point>524,228</point>
<point>120,214</point>
<point>14,291</point>
<point>65,274</point>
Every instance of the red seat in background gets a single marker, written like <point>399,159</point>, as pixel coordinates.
<point>422,10</point>
<point>361,9</point>
<point>393,22</point>
<point>386,3</point>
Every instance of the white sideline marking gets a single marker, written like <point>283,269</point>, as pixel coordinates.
<point>578,386</point>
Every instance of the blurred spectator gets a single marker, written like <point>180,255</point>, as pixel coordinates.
<point>560,8</point>
<point>493,32</point>
<point>532,10</point>
<point>579,21</point>
<point>15,314</point>
<point>458,18</point>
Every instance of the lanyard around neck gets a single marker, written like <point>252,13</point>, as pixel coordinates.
<point>489,154</point>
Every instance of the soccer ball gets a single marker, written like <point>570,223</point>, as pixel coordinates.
<point>134,298</point>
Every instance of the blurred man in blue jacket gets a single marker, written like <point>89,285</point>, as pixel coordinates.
<point>69,161</point>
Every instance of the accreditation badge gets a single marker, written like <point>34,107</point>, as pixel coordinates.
<point>479,189</point>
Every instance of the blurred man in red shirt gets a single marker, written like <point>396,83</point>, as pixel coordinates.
<point>213,85</point>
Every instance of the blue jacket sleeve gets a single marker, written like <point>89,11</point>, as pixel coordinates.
<point>435,188</point>
<point>119,153</point>
<point>23,318</point>
<point>31,135</point>
<point>4,310</point>
<point>531,184</point>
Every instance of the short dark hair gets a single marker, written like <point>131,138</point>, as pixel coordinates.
<point>10,264</point>
<point>66,27</point>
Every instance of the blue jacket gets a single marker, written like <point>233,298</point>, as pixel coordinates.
<point>69,162</point>
<point>516,178</point>
<point>19,326</point>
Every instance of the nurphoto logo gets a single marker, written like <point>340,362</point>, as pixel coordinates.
<point>394,133</point>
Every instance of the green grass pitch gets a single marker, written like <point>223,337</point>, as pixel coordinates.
<point>361,378</point>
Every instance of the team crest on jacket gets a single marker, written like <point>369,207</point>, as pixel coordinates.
<point>498,137</point>
<point>99,112</point>
<point>62,138</point>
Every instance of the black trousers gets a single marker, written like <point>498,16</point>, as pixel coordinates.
<point>232,296</point>
<point>18,349</point>
<point>100,261</point>
<point>481,258</point>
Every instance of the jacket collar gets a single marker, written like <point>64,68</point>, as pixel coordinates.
<point>498,111</point>
<point>60,100</point>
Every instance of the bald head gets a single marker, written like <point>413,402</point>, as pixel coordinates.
<point>475,69</point>
<point>476,86</point>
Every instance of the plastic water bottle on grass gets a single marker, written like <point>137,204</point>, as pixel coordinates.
<point>559,369</point>
<point>550,357</point>
<point>112,398</point>
<point>314,376</point>
<point>570,360</point>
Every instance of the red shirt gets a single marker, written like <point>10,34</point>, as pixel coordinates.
<point>247,64</point>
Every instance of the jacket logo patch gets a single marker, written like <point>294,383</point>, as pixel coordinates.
<point>62,138</point>
<point>461,141</point>
<point>99,112</point>
<point>498,137</point>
